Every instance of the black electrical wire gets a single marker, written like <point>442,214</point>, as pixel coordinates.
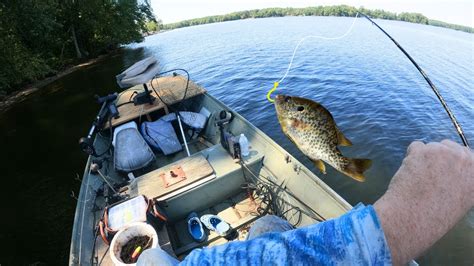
<point>110,141</point>
<point>131,96</point>
<point>129,102</point>
<point>300,216</point>
<point>103,256</point>
<point>271,183</point>
<point>270,199</point>
<point>266,185</point>
<point>95,232</point>
<point>123,92</point>
<point>456,124</point>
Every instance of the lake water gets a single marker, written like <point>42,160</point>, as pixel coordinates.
<point>376,96</point>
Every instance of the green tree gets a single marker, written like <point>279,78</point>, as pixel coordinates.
<point>38,38</point>
<point>341,10</point>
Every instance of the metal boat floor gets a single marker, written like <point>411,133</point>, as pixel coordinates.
<point>240,211</point>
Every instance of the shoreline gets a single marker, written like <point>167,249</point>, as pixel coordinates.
<point>25,91</point>
<point>342,11</point>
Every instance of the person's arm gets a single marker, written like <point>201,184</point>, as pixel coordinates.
<point>430,193</point>
<point>355,238</point>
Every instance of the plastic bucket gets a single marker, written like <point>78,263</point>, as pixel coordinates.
<point>127,233</point>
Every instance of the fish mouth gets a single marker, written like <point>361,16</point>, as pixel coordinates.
<point>280,102</point>
<point>280,112</point>
<point>279,98</point>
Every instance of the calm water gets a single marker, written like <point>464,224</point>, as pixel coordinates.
<point>377,97</point>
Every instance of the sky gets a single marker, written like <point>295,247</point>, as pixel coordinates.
<point>451,11</point>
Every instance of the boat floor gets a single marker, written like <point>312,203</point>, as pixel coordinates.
<point>240,211</point>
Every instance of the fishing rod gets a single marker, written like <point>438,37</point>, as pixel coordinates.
<point>433,87</point>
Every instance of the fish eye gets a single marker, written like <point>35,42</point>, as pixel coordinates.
<point>287,99</point>
<point>300,108</point>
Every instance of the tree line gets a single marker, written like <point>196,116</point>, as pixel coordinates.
<point>341,11</point>
<point>41,37</point>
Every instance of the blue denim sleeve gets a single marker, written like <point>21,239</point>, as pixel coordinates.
<point>355,238</point>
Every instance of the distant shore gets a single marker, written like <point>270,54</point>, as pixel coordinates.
<point>339,11</point>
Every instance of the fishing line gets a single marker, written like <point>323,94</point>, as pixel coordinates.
<point>453,119</point>
<point>275,85</point>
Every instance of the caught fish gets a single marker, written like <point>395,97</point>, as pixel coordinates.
<point>313,130</point>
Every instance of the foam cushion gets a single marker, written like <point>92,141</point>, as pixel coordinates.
<point>161,136</point>
<point>131,150</point>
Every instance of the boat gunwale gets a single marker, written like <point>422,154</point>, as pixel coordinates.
<point>80,209</point>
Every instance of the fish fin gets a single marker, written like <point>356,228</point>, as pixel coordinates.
<point>356,167</point>
<point>320,165</point>
<point>341,139</point>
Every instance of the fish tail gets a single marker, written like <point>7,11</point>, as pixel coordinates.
<point>356,167</point>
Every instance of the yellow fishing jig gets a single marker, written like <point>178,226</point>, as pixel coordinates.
<point>269,94</point>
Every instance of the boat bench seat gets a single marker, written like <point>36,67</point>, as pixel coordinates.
<point>165,182</point>
<point>228,181</point>
<point>224,178</point>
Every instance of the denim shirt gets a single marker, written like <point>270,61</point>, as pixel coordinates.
<point>355,238</point>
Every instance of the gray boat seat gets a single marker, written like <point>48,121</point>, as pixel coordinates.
<point>139,73</point>
<point>192,119</point>
<point>161,136</point>
<point>131,152</point>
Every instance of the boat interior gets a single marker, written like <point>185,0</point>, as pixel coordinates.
<point>205,173</point>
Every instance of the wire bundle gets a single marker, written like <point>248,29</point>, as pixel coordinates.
<point>272,198</point>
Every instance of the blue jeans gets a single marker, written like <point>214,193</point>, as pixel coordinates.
<point>267,224</point>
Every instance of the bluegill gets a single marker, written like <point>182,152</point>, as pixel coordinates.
<point>313,130</point>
